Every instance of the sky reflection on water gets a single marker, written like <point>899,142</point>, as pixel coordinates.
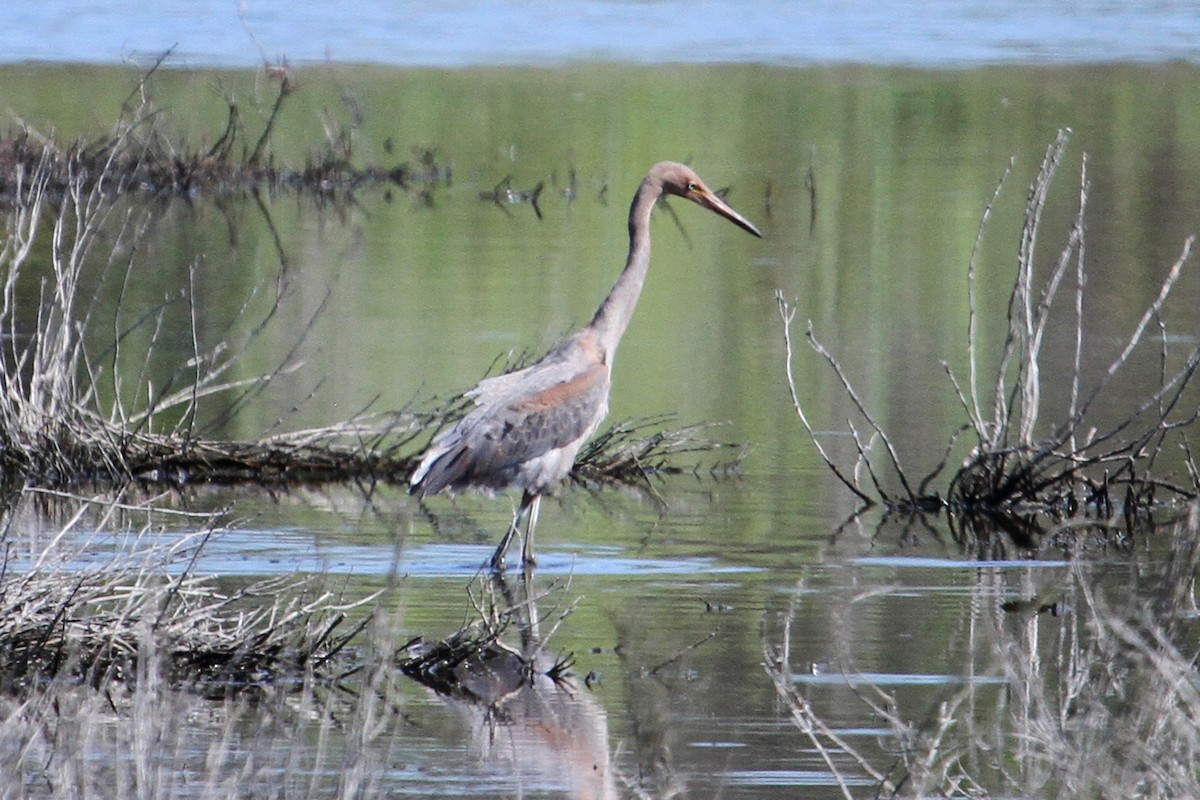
<point>248,552</point>
<point>936,33</point>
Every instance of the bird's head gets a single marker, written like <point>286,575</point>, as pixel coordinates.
<point>682,180</point>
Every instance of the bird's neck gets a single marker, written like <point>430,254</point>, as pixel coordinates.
<point>612,318</point>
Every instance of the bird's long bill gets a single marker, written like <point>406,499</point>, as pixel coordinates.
<point>709,200</point>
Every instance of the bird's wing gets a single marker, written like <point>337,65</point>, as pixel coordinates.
<point>518,417</point>
<point>560,364</point>
<point>572,356</point>
<point>489,390</point>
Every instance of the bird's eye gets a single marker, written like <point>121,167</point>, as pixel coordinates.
<point>691,187</point>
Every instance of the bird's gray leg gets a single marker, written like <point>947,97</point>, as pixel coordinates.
<point>527,549</point>
<point>502,549</point>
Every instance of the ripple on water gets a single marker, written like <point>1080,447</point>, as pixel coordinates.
<point>249,552</point>
<point>892,679</point>
<point>925,562</point>
<point>792,777</point>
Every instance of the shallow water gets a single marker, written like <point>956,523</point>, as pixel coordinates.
<point>675,590</point>
<point>668,624</point>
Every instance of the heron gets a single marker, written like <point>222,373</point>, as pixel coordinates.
<point>527,426</point>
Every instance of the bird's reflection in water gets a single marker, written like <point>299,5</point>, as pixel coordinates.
<point>525,709</point>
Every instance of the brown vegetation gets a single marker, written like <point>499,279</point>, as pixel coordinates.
<point>137,157</point>
<point>143,610</point>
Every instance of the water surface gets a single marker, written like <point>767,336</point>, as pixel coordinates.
<point>869,184</point>
<point>935,33</point>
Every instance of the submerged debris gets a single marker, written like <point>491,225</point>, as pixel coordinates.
<point>505,195</point>
<point>474,663</point>
<point>525,706</point>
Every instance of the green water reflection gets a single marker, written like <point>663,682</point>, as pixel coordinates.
<point>407,299</point>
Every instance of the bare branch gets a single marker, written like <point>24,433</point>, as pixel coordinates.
<point>787,314</point>
<point>973,409</point>
<point>858,404</point>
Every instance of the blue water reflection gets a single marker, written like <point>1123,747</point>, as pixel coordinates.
<point>249,552</point>
<point>932,33</point>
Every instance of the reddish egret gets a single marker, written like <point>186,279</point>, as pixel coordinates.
<point>527,426</point>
